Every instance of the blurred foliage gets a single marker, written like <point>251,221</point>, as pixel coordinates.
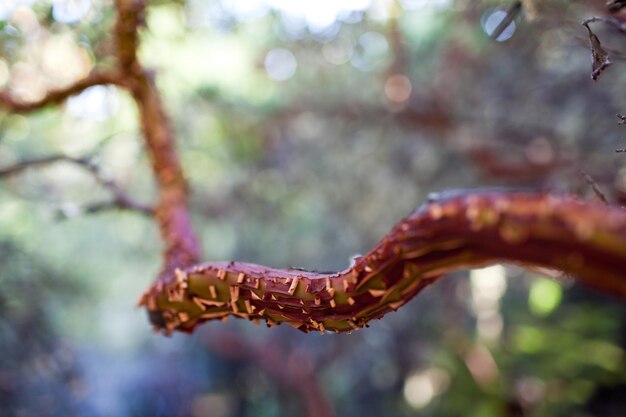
<point>307,129</point>
<point>39,371</point>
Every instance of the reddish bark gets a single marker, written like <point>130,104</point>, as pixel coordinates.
<point>58,96</point>
<point>171,210</point>
<point>464,230</point>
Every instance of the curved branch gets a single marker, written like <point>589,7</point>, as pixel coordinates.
<point>454,231</point>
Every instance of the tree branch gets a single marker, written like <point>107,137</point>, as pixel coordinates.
<point>34,163</point>
<point>130,17</point>
<point>464,230</point>
<point>120,199</point>
<point>59,95</point>
<point>451,232</point>
<point>99,207</point>
<point>594,186</point>
<point>511,13</point>
<point>617,23</point>
<point>171,212</point>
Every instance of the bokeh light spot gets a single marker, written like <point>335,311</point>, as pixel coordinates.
<point>424,4</point>
<point>398,88</point>
<point>4,73</point>
<point>370,52</point>
<point>280,64</point>
<point>545,296</point>
<point>245,9</point>
<point>539,151</point>
<point>322,14</point>
<point>421,387</point>
<point>490,21</point>
<point>488,286</point>
<point>337,52</point>
<point>26,83</point>
<point>70,11</point>
<point>96,103</point>
<point>529,339</point>
<point>213,404</point>
<point>481,365</point>
<point>7,7</point>
<point>25,20</point>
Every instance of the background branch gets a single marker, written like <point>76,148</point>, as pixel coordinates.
<point>294,376</point>
<point>613,21</point>
<point>511,13</point>
<point>57,96</point>
<point>38,162</point>
<point>121,200</point>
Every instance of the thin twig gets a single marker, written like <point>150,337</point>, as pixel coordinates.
<point>19,167</point>
<point>594,186</point>
<point>511,14</point>
<point>618,24</point>
<point>622,121</point>
<point>120,199</point>
<point>99,207</point>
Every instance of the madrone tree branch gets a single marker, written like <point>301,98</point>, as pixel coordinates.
<point>171,210</point>
<point>454,231</point>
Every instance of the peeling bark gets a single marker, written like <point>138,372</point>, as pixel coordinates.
<point>171,210</point>
<point>456,231</point>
